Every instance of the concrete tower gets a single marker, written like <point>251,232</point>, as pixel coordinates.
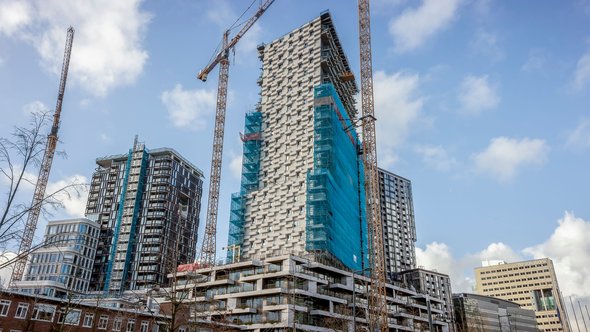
<point>302,189</point>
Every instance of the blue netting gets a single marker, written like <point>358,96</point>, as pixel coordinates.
<point>335,187</point>
<point>250,169</point>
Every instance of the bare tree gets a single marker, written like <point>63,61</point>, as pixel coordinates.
<point>20,157</point>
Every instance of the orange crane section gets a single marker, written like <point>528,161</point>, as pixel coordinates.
<point>377,295</point>
<point>207,256</point>
<point>44,170</point>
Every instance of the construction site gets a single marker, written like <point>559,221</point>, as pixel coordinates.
<point>306,248</point>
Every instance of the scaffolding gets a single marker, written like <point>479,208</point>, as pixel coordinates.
<point>335,217</point>
<point>252,139</point>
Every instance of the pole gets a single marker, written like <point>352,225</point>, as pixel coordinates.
<point>574,310</point>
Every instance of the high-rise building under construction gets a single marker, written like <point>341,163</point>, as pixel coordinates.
<point>147,203</point>
<point>302,178</point>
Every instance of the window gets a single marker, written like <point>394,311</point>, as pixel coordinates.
<point>44,312</point>
<point>21,311</point>
<point>130,325</point>
<point>103,322</point>
<point>88,320</point>
<point>73,317</point>
<point>144,326</point>
<point>117,324</point>
<point>4,306</point>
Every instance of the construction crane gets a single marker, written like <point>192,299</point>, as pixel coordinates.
<point>41,186</point>
<point>378,295</point>
<point>207,256</point>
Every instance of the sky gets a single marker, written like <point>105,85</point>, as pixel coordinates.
<point>482,104</point>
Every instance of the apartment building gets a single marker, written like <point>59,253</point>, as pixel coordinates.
<point>62,266</point>
<point>435,285</point>
<point>147,203</point>
<point>532,284</point>
<point>302,188</point>
<point>303,293</point>
<point>399,226</point>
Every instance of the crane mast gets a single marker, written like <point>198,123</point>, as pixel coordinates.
<point>207,256</point>
<point>41,186</point>
<point>378,295</point>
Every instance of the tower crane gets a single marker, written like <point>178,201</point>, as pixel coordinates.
<point>378,295</point>
<point>207,256</point>
<point>41,186</point>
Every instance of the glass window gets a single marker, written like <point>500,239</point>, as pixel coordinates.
<point>88,320</point>
<point>144,326</point>
<point>103,322</point>
<point>44,312</point>
<point>4,306</point>
<point>73,317</point>
<point>21,311</point>
<point>130,325</point>
<point>117,324</point>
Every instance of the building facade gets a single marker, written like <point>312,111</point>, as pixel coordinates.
<point>433,284</point>
<point>532,284</point>
<point>483,313</point>
<point>23,312</point>
<point>399,226</point>
<point>288,293</point>
<point>62,267</point>
<point>302,188</point>
<point>147,203</point>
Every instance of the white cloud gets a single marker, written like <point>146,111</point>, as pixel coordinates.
<point>582,72</point>
<point>414,26</point>
<point>14,15</point>
<point>221,14</point>
<point>188,108</point>
<point>6,272</point>
<point>235,166</point>
<point>569,249</point>
<point>488,44</point>
<point>73,198</point>
<point>580,136</point>
<point>435,157</point>
<point>107,50</point>
<point>397,108</point>
<point>504,156</point>
<point>35,107</point>
<point>476,95</point>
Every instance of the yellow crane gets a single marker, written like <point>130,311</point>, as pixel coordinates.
<point>377,295</point>
<point>41,186</point>
<point>208,248</point>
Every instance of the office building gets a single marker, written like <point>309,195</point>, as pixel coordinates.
<point>302,179</point>
<point>399,227</point>
<point>532,284</point>
<point>483,313</point>
<point>147,203</point>
<point>63,265</point>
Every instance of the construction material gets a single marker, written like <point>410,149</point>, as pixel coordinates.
<point>45,169</point>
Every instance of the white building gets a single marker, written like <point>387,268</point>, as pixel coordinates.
<point>63,265</point>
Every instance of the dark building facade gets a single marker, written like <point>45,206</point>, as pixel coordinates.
<point>147,203</point>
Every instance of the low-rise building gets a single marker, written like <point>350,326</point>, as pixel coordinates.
<point>63,265</point>
<point>26,312</point>
<point>483,313</point>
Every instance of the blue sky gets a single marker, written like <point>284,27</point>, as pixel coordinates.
<point>483,104</point>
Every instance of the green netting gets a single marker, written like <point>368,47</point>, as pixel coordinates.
<point>335,191</point>
<point>250,170</point>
